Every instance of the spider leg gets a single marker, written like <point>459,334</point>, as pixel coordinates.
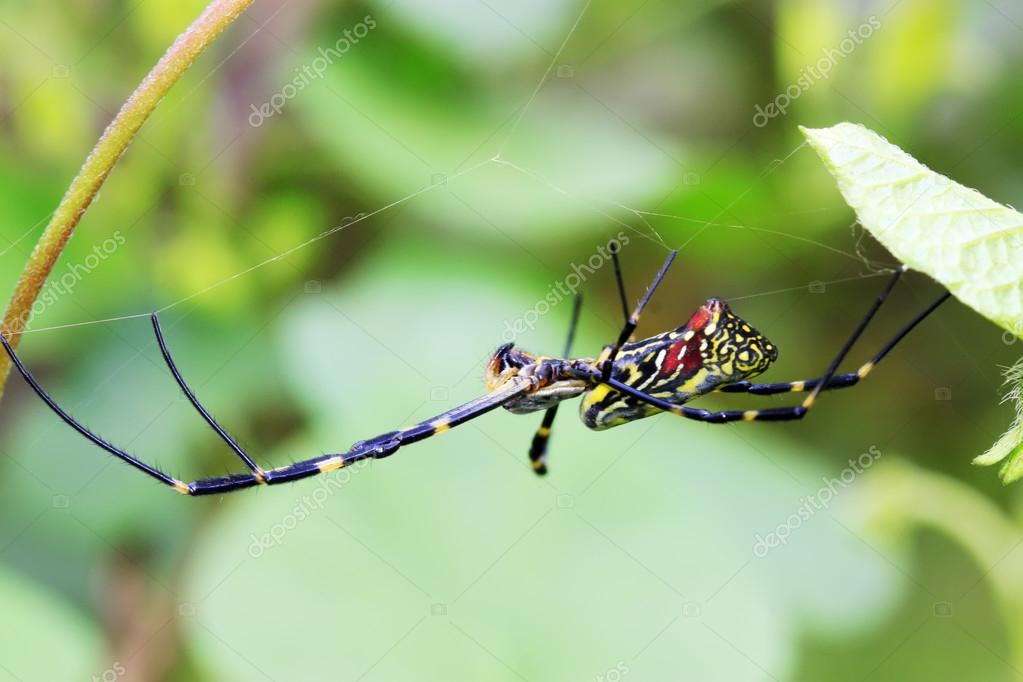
<point>166,479</point>
<point>538,448</point>
<point>607,358</point>
<point>615,249</point>
<point>839,380</point>
<point>773,413</point>
<point>232,443</point>
<point>541,439</point>
<point>376,448</point>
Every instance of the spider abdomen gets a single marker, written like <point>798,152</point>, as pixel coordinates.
<point>714,348</point>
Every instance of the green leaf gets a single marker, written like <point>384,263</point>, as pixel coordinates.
<point>971,244</point>
<point>968,242</point>
<point>1010,446</point>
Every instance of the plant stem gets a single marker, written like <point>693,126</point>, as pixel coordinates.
<point>104,156</point>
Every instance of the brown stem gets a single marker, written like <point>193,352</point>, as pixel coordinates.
<point>104,156</point>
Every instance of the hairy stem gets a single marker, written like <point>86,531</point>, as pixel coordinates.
<point>104,156</point>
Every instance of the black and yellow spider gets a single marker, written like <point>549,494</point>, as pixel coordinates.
<point>714,351</point>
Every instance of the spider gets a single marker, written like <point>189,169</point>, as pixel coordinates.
<point>714,351</point>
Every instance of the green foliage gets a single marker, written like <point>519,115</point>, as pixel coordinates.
<point>638,550</point>
<point>1009,448</point>
<point>101,160</point>
<point>969,243</point>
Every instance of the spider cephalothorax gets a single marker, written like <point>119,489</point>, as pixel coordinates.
<point>553,379</point>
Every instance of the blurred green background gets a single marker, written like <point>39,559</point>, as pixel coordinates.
<point>638,557</point>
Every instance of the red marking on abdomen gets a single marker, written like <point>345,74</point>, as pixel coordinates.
<point>699,320</point>
<point>690,360</point>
